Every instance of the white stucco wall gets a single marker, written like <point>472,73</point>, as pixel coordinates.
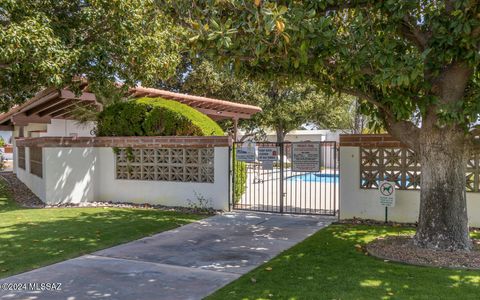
<point>31,130</point>
<point>162,192</point>
<point>57,127</point>
<point>76,175</point>
<point>362,203</point>
<point>60,127</point>
<point>70,174</point>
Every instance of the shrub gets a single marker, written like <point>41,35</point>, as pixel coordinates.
<point>160,117</point>
<point>155,117</point>
<point>240,180</point>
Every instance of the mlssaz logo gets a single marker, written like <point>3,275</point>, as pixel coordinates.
<point>386,189</point>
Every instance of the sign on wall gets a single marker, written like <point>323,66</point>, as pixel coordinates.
<point>268,153</point>
<point>386,191</point>
<point>246,152</point>
<point>305,157</point>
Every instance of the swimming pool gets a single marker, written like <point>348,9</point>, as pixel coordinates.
<point>315,177</point>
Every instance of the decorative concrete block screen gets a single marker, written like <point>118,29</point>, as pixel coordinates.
<point>391,164</point>
<point>167,164</point>
<point>21,157</point>
<point>36,158</point>
<point>384,158</point>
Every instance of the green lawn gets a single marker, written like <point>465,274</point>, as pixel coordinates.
<point>328,266</point>
<point>31,238</point>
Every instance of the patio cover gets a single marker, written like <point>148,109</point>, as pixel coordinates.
<point>54,103</point>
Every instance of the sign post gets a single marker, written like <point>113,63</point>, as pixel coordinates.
<point>386,191</point>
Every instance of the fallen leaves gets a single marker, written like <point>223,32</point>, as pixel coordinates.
<point>359,248</point>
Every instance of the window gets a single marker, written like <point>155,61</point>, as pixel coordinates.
<point>36,166</point>
<point>21,157</point>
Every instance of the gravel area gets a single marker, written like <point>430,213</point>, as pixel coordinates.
<point>401,249</point>
<point>187,210</point>
<point>20,192</point>
<point>26,198</point>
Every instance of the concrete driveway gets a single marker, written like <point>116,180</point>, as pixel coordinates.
<point>189,262</point>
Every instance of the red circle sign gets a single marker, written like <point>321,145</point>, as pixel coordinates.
<point>386,189</point>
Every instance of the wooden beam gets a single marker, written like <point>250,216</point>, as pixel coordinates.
<point>6,127</point>
<point>70,115</point>
<point>58,107</point>
<point>60,113</point>
<point>225,114</point>
<point>47,105</point>
<point>45,99</point>
<point>66,111</point>
<point>23,120</point>
<point>138,94</point>
<point>66,94</point>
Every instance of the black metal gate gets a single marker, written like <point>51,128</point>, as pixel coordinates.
<point>272,186</point>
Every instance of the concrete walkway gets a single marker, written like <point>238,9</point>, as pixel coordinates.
<point>189,262</point>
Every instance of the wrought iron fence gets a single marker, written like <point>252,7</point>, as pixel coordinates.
<point>274,186</point>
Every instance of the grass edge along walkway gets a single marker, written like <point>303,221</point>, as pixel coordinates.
<point>331,265</point>
<point>33,238</point>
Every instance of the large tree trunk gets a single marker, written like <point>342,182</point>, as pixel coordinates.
<point>443,221</point>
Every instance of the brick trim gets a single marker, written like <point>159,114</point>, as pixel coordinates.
<point>129,141</point>
<point>369,140</point>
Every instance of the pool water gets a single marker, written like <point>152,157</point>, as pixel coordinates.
<point>315,177</point>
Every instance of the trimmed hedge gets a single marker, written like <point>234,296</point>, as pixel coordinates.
<point>161,117</point>
<point>155,117</point>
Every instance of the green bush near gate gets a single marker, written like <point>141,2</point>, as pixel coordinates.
<point>161,117</point>
<point>240,180</point>
<point>155,117</point>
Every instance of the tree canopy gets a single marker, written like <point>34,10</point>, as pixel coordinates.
<point>413,64</point>
<point>53,42</point>
<point>389,53</point>
<point>286,104</point>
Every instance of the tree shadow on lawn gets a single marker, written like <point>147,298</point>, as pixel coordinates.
<point>328,265</point>
<point>31,238</point>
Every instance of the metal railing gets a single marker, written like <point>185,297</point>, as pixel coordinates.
<point>275,186</point>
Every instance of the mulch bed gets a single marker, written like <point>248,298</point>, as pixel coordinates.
<point>20,192</point>
<point>358,221</point>
<point>401,249</point>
